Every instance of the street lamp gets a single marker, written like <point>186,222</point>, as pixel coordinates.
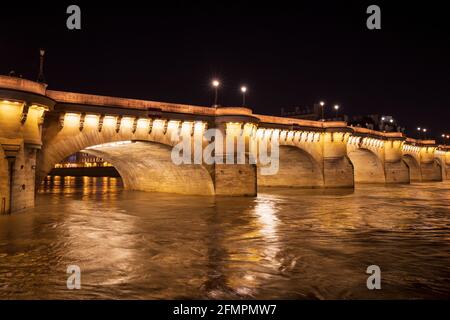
<point>425,132</point>
<point>336,108</point>
<point>243,90</point>
<point>322,104</point>
<point>420,132</point>
<point>215,84</point>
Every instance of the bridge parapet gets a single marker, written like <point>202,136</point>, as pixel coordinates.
<point>24,85</point>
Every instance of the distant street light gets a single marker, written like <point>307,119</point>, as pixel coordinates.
<point>322,104</point>
<point>425,132</point>
<point>243,90</point>
<point>336,108</point>
<point>216,85</point>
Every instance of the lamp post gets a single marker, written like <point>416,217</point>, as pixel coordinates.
<point>41,77</point>
<point>336,108</point>
<point>420,132</point>
<point>243,90</point>
<point>215,84</point>
<point>322,104</point>
<point>425,132</point>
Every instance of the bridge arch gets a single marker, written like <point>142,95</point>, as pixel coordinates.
<point>297,168</point>
<point>415,174</point>
<point>147,166</point>
<point>368,167</point>
<point>143,161</point>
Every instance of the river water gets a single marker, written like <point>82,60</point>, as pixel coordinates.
<point>285,243</point>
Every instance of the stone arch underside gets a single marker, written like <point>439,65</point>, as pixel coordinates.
<point>147,166</point>
<point>297,168</point>
<point>368,168</point>
<point>414,168</point>
<point>432,171</point>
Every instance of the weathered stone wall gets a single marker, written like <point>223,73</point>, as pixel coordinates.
<point>397,172</point>
<point>4,183</point>
<point>23,192</point>
<point>233,180</point>
<point>338,173</point>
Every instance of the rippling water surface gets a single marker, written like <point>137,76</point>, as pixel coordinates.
<point>285,243</point>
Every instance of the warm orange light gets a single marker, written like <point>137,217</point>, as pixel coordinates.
<point>71,119</point>
<point>143,123</point>
<point>109,121</point>
<point>127,122</point>
<point>91,120</point>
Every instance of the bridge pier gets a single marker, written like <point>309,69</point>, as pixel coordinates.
<point>17,190</point>
<point>395,169</point>
<point>338,171</point>
<point>235,179</point>
<point>21,118</point>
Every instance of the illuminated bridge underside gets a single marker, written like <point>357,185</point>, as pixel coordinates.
<point>296,169</point>
<point>147,166</point>
<point>368,167</point>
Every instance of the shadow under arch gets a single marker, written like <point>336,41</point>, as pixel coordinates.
<point>368,168</point>
<point>297,168</point>
<point>415,174</point>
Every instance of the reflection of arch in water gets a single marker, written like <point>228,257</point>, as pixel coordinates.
<point>415,174</point>
<point>297,168</point>
<point>368,168</point>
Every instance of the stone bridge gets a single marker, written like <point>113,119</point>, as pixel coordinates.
<point>40,127</point>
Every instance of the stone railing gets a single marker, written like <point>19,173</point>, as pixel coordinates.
<point>15,83</point>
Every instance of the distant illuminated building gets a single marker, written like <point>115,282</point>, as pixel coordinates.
<point>82,160</point>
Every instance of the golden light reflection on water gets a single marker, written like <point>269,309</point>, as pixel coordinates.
<point>263,227</point>
<point>102,187</point>
<point>285,243</point>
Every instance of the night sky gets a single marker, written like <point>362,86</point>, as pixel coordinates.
<point>287,54</point>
